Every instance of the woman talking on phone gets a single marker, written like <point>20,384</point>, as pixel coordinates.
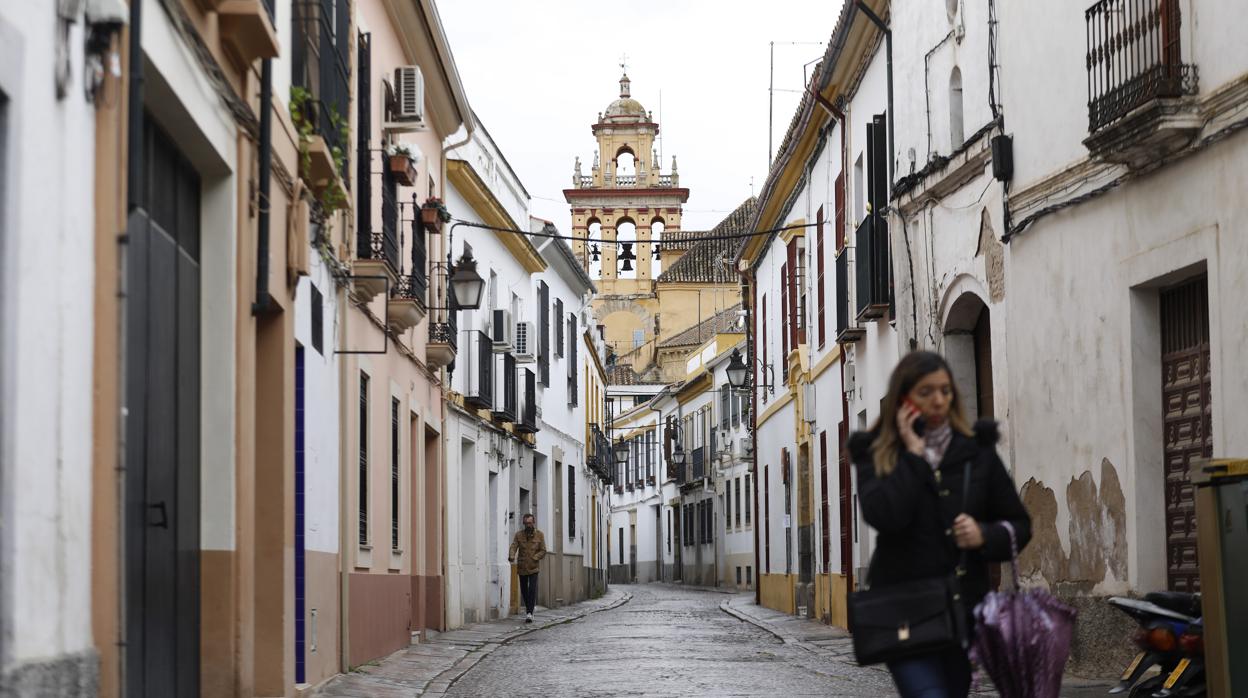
<point>944,506</point>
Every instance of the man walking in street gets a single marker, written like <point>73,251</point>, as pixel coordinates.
<point>527,549</point>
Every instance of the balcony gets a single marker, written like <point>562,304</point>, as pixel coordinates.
<point>846,332</point>
<point>320,91</point>
<point>443,330</point>
<point>1141,103</point>
<point>479,373</point>
<point>528,402</point>
<point>408,301</point>
<point>406,305</point>
<point>505,388</point>
<point>377,251</point>
<point>600,459</point>
<point>871,261</point>
<point>246,27</point>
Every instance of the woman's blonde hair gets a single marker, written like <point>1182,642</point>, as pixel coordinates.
<point>912,368</point>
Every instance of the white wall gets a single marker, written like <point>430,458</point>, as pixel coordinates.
<point>321,410</point>
<point>46,286</point>
<point>1091,322</point>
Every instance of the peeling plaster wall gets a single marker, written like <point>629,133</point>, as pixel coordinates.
<point>1085,358</point>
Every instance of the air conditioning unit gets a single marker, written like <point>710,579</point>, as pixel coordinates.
<point>850,379</point>
<point>526,341</point>
<point>746,445</point>
<point>500,331</point>
<point>409,94</point>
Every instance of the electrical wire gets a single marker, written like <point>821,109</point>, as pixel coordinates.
<point>691,239</point>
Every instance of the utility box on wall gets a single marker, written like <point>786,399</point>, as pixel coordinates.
<point>1222,539</point>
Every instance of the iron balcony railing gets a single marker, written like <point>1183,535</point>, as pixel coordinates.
<point>601,459</point>
<point>443,321</point>
<point>319,55</point>
<point>479,374</point>
<point>505,389</point>
<point>415,284</point>
<point>872,267</point>
<point>528,402</point>
<point>385,244</point>
<point>1133,57</point>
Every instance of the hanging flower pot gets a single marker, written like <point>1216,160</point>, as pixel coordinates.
<point>429,216</point>
<point>403,169</point>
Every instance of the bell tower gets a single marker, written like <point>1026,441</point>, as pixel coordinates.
<point>626,200</point>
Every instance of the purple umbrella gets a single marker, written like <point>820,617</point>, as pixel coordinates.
<point>1022,638</point>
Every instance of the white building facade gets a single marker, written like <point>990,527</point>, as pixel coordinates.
<point>47,208</point>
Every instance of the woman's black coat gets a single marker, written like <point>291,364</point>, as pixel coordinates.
<point>913,510</point>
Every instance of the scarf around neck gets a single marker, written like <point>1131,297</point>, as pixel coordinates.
<point>935,442</point>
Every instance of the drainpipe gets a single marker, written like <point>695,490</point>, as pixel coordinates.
<point>888,51</point>
<point>344,506</point>
<point>264,302</point>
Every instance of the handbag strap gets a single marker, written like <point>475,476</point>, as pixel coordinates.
<point>966,502</point>
<point>1013,554</point>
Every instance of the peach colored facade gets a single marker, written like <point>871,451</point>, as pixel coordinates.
<point>394,555</point>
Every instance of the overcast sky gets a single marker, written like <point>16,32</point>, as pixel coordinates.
<point>537,72</point>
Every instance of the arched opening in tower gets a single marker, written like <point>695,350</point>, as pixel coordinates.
<point>656,247</point>
<point>626,239</point>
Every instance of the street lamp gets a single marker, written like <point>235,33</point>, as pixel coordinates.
<point>466,282</point>
<point>621,452</point>
<point>737,369</point>
<point>678,456</point>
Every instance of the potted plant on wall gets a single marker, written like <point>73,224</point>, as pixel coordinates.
<point>402,163</point>
<point>433,213</point>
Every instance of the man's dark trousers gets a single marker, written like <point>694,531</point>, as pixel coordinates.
<point>528,591</point>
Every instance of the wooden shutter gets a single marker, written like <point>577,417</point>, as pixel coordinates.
<point>558,327</point>
<point>785,305</point>
<point>543,332</point>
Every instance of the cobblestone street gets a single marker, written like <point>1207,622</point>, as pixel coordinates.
<point>666,641</point>
<point>638,640</point>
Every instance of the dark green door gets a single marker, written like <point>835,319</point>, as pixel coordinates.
<point>162,425</point>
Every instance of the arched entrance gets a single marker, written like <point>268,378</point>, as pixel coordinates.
<point>968,348</point>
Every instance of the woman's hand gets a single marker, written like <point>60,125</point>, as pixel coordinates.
<point>906,417</point>
<point>967,534</point>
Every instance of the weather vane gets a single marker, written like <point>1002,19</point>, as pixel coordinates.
<point>624,62</point>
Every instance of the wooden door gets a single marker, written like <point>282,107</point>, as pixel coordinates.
<point>1187,434</point>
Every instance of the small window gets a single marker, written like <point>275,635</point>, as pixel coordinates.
<point>749,574</point>
<point>318,320</point>
<point>956,136</point>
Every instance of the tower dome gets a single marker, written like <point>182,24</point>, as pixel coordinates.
<point>625,107</point>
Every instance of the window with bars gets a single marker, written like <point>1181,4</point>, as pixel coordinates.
<point>394,474</point>
<point>363,466</point>
<point>571,502</point>
<point>748,508</point>
<point>736,488</point>
<point>728,504</point>
<point>573,367</point>
<point>820,253</point>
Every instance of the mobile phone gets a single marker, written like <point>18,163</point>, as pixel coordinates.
<point>920,425</point>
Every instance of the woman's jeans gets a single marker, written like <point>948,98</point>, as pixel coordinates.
<point>944,674</point>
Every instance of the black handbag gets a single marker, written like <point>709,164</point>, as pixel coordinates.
<point>911,618</point>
